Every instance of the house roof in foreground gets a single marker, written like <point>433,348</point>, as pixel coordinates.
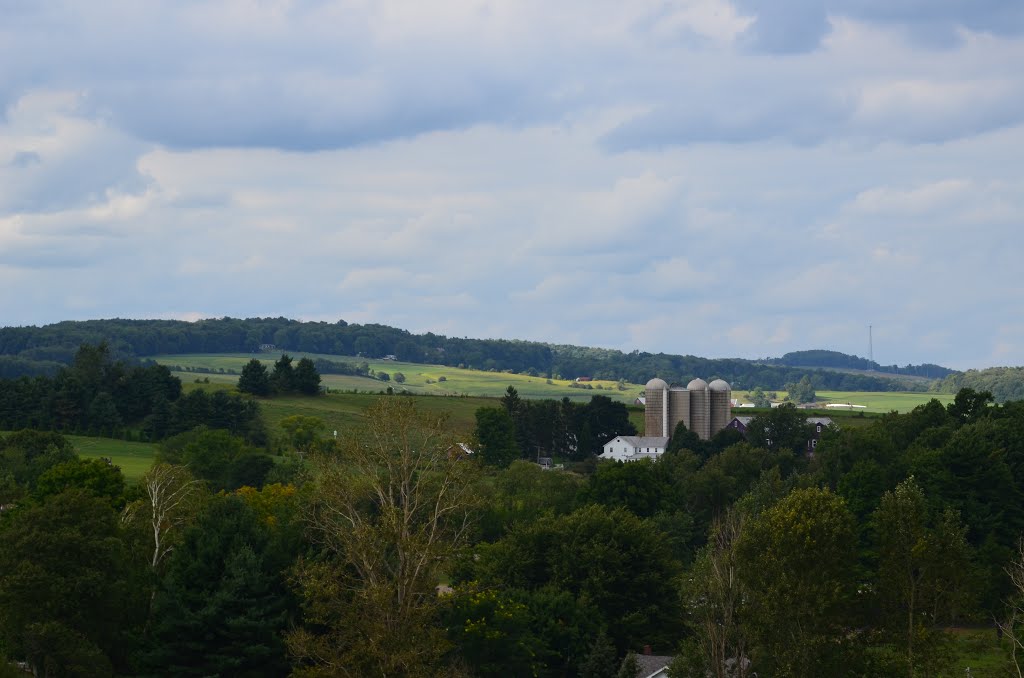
<point>651,664</point>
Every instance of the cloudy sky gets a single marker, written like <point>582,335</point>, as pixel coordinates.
<point>715,177</point>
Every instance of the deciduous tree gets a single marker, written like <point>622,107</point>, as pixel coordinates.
<point>796,560</point>
<point>391,510</point>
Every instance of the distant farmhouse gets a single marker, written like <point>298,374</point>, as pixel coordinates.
<point>634,448</point>
<point>819,424</point>
<point>703,408</point>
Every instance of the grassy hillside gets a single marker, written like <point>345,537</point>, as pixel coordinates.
<point>133,458</point>
<point>420,379</point>
<point>888,401</point>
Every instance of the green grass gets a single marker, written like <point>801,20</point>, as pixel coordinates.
<point>885,401</point>
<point>133,458</point>
<point>423,380</point>
<point>343,411</point>
<point>420,379</point>
<point>979,650</point>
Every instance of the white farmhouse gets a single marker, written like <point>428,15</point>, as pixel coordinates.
<point>632,448</point>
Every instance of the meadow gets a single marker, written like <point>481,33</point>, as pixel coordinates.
<point>419,378</point>
<point>884,401</point>
<point>133,458</point>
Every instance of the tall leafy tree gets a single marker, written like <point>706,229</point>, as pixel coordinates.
<point>611,559</point>
<point>922,569</point>
<point>796,561</point>
<point>66,593</point>
<point>391,511</point>
<point>97,477</point>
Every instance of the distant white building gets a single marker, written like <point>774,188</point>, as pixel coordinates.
<point>634,448</point>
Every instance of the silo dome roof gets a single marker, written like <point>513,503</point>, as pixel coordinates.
<point>656,384</point>
<point>719,385</point>
<point>697,384</point>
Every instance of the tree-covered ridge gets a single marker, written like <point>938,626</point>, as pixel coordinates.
<point>1004,383</point>
<point>36,350</point>
<point>844,361</point>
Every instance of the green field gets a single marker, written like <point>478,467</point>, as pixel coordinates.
<point>420,379</point>
<point>885,401</point>
<point>133,458</point>
<point>423,379</point>
<point>980,651</point>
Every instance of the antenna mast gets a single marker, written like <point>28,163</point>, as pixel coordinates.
<point>871,346</point>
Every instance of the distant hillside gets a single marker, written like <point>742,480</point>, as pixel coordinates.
<point>836,360</point>
<point>1004,383</point>
<point>37,350</point>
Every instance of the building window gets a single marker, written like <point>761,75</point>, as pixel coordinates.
<point>819,428</point>
<point>814,443</point>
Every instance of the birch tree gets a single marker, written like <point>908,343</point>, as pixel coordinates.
<point>172,499</point>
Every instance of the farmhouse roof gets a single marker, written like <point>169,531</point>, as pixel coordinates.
<point>644,441</point>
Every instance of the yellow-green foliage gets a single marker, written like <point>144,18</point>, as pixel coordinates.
<point>420,379</point>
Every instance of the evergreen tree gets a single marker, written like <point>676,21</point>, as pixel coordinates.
<point>222,607</point>
<point>306,379</point>
<point>497,436</point>
<point>254,379</point>
<point>283,378</point>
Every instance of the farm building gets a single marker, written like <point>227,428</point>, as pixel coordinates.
<point>703,408</point>
<point>818,426</point>
<point>634,448</point>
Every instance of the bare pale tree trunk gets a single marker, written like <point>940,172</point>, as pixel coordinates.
<point>1015,607</point>
<point>171,498</point>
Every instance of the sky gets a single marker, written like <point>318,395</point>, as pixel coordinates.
<point>705,177</point>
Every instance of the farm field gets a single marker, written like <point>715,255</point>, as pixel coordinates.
<point>423,379</point>
<point>342,411</point>
<point>885,401</point>
<point>420,379</point>
<point>133,458</point>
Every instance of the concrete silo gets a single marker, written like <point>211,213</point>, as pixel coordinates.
<point>656,409</point>
<point>700,408</point>
<point>721,404</point>
<point>678,408</point>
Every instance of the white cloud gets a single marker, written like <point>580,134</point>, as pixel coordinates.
<point>447,168</point>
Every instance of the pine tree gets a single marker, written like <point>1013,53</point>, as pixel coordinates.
<point>306,379</point>
<point>254,379</point>
<point>283,378</point>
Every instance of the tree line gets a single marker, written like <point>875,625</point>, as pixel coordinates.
<point>528,429</point>
<point>97,395</point>
<point>389,552</point>
<point>1004,383</point>
<point>821,358</point>
<point>36,350</point>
